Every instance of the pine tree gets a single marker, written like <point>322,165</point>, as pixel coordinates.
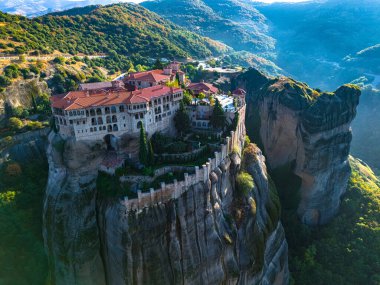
<point>143,152</point>
<point>158,65</point>
<point>218,118</point>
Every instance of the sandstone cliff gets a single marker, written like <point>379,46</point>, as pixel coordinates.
<point>306,133</point>
<point>209,235</point>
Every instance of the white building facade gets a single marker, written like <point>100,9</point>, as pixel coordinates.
<point>92,116</point>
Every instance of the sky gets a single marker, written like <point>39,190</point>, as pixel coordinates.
<point>272,1</point>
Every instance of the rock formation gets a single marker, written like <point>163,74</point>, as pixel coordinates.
<point>210,235</point>
<point>307,132</point>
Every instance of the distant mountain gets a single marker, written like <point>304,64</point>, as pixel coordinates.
<point>32,8</point>
<point>119,30</point>
<point>232,22</point>
<point>315,38</point>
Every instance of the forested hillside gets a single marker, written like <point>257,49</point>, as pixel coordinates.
<point>233,22</point>
<point>125,29</point>
<point>346,251</point>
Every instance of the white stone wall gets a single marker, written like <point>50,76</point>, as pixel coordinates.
<point>156,116</point>
<point>202,174</point>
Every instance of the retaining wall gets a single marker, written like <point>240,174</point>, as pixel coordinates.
<point>201,174</point>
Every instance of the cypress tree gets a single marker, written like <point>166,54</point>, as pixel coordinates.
<point>143,152</point>
<point>218,118</point>
<point>181,119</point>
<point>150,153</point>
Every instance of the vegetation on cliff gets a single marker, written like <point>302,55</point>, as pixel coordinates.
<point>22,255</point>
<point>346,251</point>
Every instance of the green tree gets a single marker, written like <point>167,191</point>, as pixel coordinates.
<point>201,96</point>
<point>18,111</point>
<point>158,64</point>
<point>187,98</point>
<point>12,71</point>
<point>218,118</point>
<point>143,151</point>
<point>59,60</point>
<point>150,153</point>
<point>4,81</point>
<point>181,119</point>
<point>15,123</point>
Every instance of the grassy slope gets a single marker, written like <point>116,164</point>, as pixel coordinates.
<point>347,250</point>
<point>125,28</point>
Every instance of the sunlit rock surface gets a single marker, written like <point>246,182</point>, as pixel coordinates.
<point>306,131</point>
<point>210,235</point>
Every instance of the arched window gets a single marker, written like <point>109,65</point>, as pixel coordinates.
<point>87,113</point>
<point>115,128</point>
<point>139,125</point>
<point>71,113</point>
<point>107,110</point>
<point>113,109</point>
<point>121,109</point>
<point>100,121</point>
<point>98,111</point>
<point>92,112</point>
<point>104,128</point>
<point>93,121</point>
<point>109,128</point>
<point>74,113</point>
<point>108,119</point>
<point>114,119</point>
<point>91,130</point>
<point>95,129</point>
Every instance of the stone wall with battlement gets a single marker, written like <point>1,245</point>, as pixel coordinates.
<point>201,174</point>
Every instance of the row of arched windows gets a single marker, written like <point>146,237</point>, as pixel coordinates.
<point>107,110</point>
<point>99,120</point>
<point>109,128</point>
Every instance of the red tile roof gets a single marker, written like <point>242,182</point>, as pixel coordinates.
<point>203,87</point>
<point>155,76</point>
<point>75,100</point>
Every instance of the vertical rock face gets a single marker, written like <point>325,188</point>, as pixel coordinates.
<point>209,235</point>
<point>308,132</point>
<point>70,229</point>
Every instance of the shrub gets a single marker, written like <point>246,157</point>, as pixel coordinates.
<point>15,123</point>
<point>12,71</point>
<point>4,81</point>
<point>247,141</point>
<point>34,125</point>
<point>18,111</point>
<point>244,183</point>
<point>59,60</point>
